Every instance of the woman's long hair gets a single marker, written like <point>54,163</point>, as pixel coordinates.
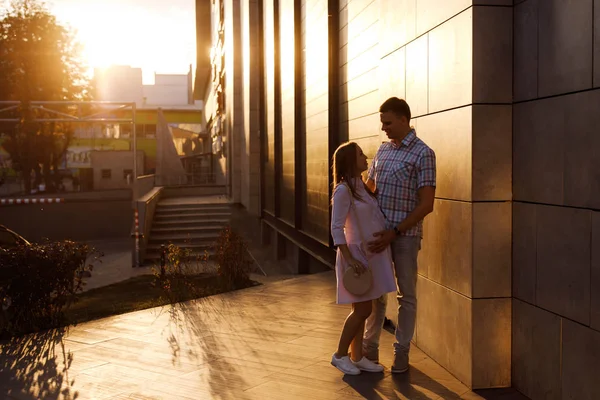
<point>344,168</point>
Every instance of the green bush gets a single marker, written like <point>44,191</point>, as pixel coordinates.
<point>38,282</point>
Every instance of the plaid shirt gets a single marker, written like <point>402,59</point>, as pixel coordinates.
<point>398,172</point>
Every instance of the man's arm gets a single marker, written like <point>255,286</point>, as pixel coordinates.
<point>371,173</point>
<point>371,185</point>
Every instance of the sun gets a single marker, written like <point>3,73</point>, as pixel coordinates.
<point>146,38</point>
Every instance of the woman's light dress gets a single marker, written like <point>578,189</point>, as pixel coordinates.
<point>344,230</point>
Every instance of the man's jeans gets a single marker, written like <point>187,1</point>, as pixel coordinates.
<point>405,250</point>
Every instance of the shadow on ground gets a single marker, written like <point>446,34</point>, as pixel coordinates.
<point>191,327</point>
<point>36,367</point>
<point>417,385</point>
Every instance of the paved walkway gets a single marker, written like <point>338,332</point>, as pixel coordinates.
<point>115,264</point>
<point>268,342</point>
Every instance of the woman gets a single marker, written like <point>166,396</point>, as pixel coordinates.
<point>353,206</point>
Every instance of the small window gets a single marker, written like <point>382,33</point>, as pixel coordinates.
<point>127,172</point>
<point>139,130</point>
<point>125,130</point>
<point>150,131</point>
<point>106,174</point>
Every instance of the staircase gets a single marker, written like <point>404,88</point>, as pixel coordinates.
<point>192,223</point>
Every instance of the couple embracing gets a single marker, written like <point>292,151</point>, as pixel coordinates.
<point>377,227</point>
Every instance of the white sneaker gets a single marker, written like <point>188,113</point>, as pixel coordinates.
<point>345,365</point>
<point>368,366</point>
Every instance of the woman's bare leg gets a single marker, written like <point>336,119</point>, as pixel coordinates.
<point>353,327</point>
<point>356,347</point>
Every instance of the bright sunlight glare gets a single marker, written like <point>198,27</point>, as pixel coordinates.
<point>154,35</point>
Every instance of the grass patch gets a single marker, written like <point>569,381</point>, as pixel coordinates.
<point>140,293</point>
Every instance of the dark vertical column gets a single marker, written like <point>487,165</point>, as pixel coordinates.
<point>334,86</point>
<point>277,111</point>
<point>262,113</point>
<point>299,118</point>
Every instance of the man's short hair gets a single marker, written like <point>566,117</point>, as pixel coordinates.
<point>397,106</point>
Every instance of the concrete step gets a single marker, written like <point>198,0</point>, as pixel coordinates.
<point>197,216</point>
<point>207,206</point>
<point>175,229</point>
<point>178,211</point>
<point>189,222</point>
<point>183,237</point>
<point>169,214</point>
<point>195,191</point>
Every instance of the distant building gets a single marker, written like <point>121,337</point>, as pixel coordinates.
<point>112,169</point>
<point>124,83</point>
<point>119,83</point>
<point>170,92</point>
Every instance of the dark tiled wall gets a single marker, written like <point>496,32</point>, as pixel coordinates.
<point>556,187</point>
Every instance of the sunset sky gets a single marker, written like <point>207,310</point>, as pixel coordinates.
<point>156,35</point>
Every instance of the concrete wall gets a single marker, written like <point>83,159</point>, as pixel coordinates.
<point>270,105</point>
<point>287,93</point>
<point>240,159</point>
<point>74,220</point>
<point>124,83</point>
<point>508,176</point>
<point>119,83</point>
<point>314,208</point>
<point>450,61</point>
<point>145,184</point>
<point>556,222</point>
<point>234,111</point>
<point>168,90</point>
<point>117,162</point>
<point>249,139</point>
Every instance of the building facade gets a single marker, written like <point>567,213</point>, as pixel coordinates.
<point>506,93</point>
<point>113,169</point>
<point>172,94</point>
<point>124,83</point>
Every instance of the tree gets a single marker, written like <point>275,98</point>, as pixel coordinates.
<point>39,61</point>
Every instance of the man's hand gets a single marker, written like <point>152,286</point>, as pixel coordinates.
<point>384,238</point>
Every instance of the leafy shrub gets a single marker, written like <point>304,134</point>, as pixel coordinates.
<point>38,282</point>
<point>176,274</point>
<point>233,262</point>
<point>179,272</point>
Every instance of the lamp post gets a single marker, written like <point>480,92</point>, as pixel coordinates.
<point>135,170</point>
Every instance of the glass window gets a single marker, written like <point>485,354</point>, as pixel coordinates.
<point>150,130</point>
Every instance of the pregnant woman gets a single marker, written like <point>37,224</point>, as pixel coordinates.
<point>355,218</point>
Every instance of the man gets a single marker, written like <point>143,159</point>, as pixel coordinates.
<point>403,175</point>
